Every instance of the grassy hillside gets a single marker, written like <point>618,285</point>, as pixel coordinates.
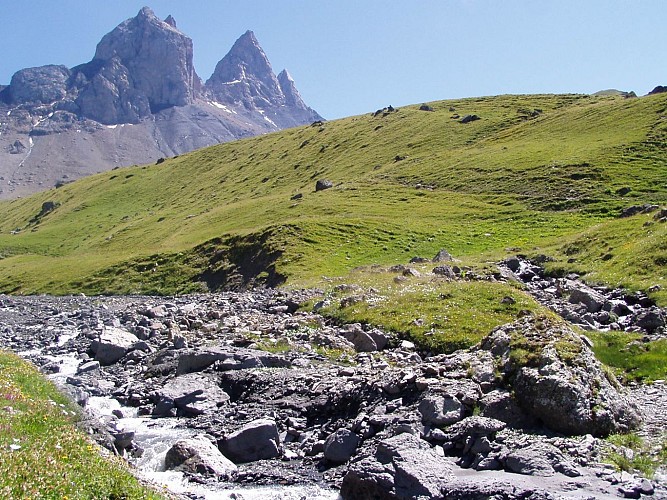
<point>43,454</point>
<point>534,173</point>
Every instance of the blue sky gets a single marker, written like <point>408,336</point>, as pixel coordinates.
<point>352,57</point>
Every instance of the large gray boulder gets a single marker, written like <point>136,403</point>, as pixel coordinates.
<point>197,455</point>
<point>440,410</point>
<point>593,300</point>
<point>257,440</point>
<point>400,467</point>
<point>363,342</point>
<point>556,379</point>
<point>112,345</point>
<point>340,446</point>
<point>188,395</point>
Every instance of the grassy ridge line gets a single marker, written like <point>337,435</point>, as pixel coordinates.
<point>42,455</point>
<point>491,177</point>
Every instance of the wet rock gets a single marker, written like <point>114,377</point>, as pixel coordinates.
<point>340,446</point>
<point>198,455</point>
<point>257,440</point>
<point>112,345</point>
<point>88,367</point>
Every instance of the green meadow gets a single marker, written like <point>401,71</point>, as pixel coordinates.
<point>534,175</point>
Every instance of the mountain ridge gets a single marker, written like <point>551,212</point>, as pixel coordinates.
<point>139,99</point>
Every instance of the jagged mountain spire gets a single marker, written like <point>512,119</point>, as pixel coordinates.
<point>245,73</point>
<point>157,57</point>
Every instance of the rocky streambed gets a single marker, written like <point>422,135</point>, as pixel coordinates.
<point>179,387</point>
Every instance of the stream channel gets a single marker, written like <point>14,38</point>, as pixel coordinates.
<point>156,435</point>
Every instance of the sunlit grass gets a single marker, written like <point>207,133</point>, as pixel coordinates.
<point>436,314</point>
<point>42,454</point>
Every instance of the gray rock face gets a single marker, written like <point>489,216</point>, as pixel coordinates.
<point>110,97</point>
<point>157,56</point>
<point>257,440</point>
<point>112,345</point>
<point>198,455</point>
<point>43,84</point>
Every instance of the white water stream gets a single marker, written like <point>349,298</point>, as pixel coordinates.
<point>156,435</point>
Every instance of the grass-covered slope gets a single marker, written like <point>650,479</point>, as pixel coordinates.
<point>42,454</point>
<point>534,172</point>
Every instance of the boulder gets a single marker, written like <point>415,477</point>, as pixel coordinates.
<point>469,118</point>
<point>340,446</point>
<point>112,345</point>
<point>651,319</point>
<point>539,459</point>
<point>323,184</point>
<point>257,440</point>
<point>526,462</point>
<point>188,395</point>
<point>473,427</point>
<point>556,378</point>
<point>400,467</point>
<point>440,410</point>
<point>379,337</point>
<point>363,342</point>
<point>594,301</point>
<point>197,455</point>
<point>445,271</point>
<point>443,256</point>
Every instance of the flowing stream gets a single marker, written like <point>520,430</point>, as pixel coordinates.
<point>155,436</point>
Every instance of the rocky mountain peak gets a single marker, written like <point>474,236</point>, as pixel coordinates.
<point>245,64</point>
<point>142,74</point>
<point>170,21</point>
<point>288,87</point>
<point>157,56</point>
<point>244,77</point>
